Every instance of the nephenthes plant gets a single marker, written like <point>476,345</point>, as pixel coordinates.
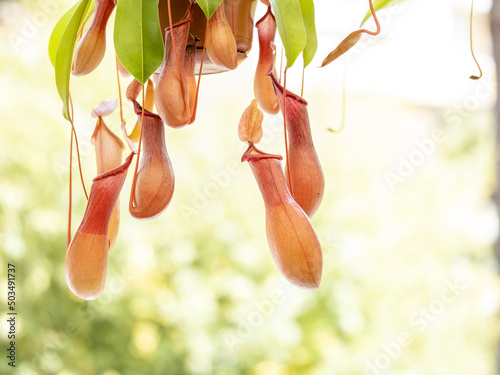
<point>206,36</point>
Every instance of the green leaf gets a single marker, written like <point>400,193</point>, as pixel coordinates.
<point>138,38</point>
<point>380,4</point>
<point>64,54</point>
<point>209,6</point>
<point>57,32</point>
<point>291,28</point>
<point>307,8</point>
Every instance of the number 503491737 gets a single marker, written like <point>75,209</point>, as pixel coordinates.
<point>11,294</point>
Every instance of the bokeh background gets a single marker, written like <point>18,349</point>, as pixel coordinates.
<point>410,283</point>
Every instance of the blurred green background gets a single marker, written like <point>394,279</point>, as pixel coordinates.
<point>409,285</point>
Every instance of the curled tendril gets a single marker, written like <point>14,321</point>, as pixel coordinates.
<point>342,122</point>
<point>473,77</point>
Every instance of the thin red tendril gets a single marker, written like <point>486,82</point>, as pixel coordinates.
<point>186,103</point>
<point>374,14</point>
<point>303,75</point>
<point>77,147</point>
<point>134,180</point>
<point>195,109</point>
<point>281,64</point>
<point>286,133</point>
<point>234,30</point>
<point>123,126</point>
<point>70,205</point>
